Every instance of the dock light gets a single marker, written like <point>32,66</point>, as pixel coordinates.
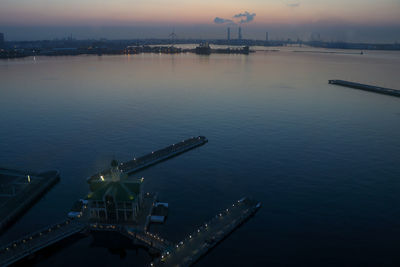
<point>29,178</point>
<point>177,245</point>
<point>206,225</point>
<point>167,252</point>
<point>198,230</point>
<point>151,264</point>
<point>162,256</point>
<point>190,237</point>
<point>227,210</point>
<point>233,205</point>
<point>102,177</point>
<point>142,179</point>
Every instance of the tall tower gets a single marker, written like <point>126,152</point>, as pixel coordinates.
<point>266,36</point>
<point>228,32</point>
<point>240,33</point>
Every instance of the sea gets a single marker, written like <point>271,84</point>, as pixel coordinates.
<point>324,160</point>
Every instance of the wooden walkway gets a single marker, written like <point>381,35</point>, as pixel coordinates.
<point>34,242</point>
<point>206,237</point>
<point>155,157</point>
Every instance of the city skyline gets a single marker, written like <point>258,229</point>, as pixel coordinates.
<point>365,21</point>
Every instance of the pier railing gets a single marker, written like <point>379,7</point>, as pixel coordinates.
<point>29,244</point>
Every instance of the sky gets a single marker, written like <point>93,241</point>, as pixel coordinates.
<point>334,20</point>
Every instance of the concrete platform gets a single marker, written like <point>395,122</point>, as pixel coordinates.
<point>19,190</point>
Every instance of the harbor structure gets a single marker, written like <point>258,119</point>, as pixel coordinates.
<point>228,33</point>
<point>266,37</point>
<point>366,87</point>
<point>19,190</point>
<point>116,204</point>
<point>240,33</point>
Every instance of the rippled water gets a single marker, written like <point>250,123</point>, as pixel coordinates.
<point>323,159</point>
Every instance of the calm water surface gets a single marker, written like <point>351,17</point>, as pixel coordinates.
<point>324,160</point>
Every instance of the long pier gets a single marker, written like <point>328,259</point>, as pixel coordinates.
<point>19,190</point>
<point>365,87</point>
<point>185,253</point>
<point>137,164</point>
<point>27,245</point>
<point>207,236</point>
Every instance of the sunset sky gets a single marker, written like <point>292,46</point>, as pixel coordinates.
<point>333,19</point>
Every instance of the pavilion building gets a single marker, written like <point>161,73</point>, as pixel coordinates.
<point>115,197</point>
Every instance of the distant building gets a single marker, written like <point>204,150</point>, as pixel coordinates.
<point>228,32</point>
<point>1,39</point>
<point>266,37</point>
<point>240,33</point>
<point>203,49</point>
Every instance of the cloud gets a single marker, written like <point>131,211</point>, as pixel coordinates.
<point>245,17</point>
<point>219,20</point>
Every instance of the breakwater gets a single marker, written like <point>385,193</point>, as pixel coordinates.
<point>366,87</point>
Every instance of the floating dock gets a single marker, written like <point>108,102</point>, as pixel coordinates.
<point>365,87</point>
<point>28,245</point>
<point>207,236</point>
<point>137,164</point>
<point>19,190</point>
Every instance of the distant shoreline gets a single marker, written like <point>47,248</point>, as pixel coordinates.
<point>72,47</point>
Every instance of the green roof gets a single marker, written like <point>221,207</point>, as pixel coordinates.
<point>126,190</point>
